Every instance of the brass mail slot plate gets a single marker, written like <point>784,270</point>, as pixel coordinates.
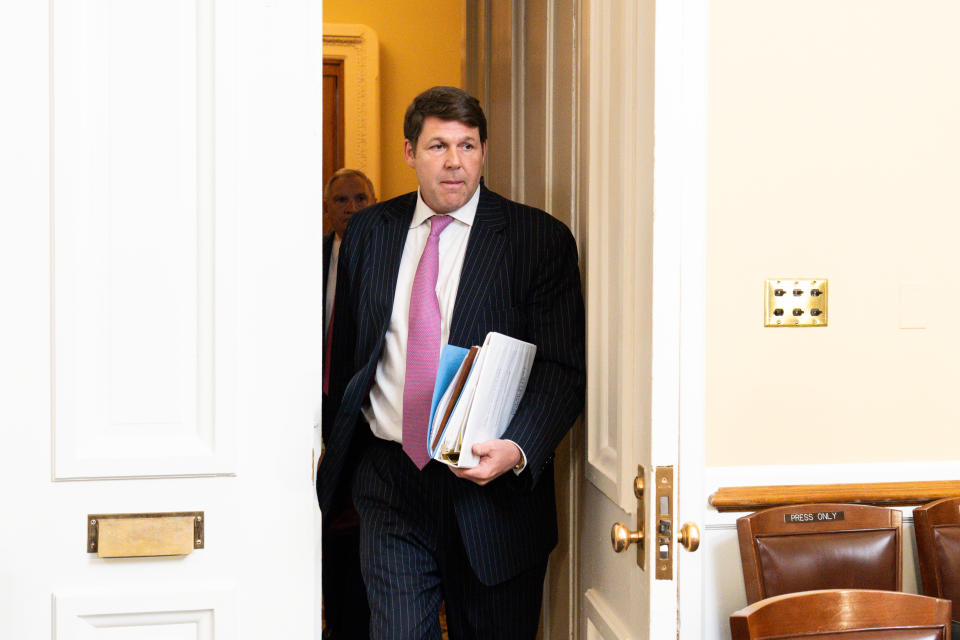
<point>139,535</point>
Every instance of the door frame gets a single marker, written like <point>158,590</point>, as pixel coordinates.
<point>679,294</point>
<point>358,48</point>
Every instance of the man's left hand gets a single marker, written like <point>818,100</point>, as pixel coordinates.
<point>496,458</point>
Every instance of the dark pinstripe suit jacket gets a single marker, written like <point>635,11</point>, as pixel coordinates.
<point>520,277</point>
<point>327,250</point>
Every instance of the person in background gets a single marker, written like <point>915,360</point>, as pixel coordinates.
<point>346,192</point>
<point>448,264</point>
<point>345,610</point>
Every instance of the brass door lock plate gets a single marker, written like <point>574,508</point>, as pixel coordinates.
<point>663,545</point>
<point>796,303</point>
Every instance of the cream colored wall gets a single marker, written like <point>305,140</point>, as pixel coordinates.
<point>834,152</point>
<point>421,45</point>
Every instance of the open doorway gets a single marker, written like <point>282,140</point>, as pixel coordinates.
<point>520,61</point>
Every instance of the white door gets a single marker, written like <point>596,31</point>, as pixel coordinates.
<point>616,181</point>
<point>159,245</point>
<point>642,174</point>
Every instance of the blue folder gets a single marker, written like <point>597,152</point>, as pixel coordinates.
<point>451,357</point>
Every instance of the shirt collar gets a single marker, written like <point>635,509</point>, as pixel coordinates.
<point>464,214</point>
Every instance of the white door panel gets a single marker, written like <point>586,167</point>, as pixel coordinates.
<point>185,613</point>
<point>159,245</point>
<point>136,277</point>
<point>601,621</point>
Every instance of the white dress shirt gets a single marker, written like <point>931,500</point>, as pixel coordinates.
<point>384,407</point>
<point>331,280</point>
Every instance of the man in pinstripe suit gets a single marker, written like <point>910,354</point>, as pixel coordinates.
<point>477,538</point>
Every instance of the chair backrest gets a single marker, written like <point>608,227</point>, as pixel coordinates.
<point>937,526</point>
<point>820,546</point>
<point>844,614</point>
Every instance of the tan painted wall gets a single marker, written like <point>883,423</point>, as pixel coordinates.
<point>421,45</point>
<point>834,152</point>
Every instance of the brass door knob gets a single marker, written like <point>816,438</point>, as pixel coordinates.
<point>622,537</point>
<point>689,536</point>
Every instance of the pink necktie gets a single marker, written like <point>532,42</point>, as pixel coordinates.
<point>423,347</point>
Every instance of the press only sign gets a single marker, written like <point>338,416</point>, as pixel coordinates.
<point>816,516</point>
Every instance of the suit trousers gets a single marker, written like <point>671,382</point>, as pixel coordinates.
<point>412,557</point>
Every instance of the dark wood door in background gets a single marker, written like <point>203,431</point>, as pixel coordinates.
<point>333,133</point>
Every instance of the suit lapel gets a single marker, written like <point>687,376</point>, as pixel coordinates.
<point>484,254</point>
<point>327,250</point>
<point>386,247</point>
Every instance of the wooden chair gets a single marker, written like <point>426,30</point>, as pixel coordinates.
<point>844,614</point>
<point>937,526</point>
<point>820,546</point>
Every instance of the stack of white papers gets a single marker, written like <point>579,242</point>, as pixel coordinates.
<point>476,395</point>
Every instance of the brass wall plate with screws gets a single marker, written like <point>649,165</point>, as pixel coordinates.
<point>795,302</point>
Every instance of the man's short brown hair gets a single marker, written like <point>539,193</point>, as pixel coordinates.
<point>446,103</point>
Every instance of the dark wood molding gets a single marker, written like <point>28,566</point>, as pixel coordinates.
<point>334,129</point>
<point>885,494</point>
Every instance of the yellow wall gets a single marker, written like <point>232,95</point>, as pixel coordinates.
<point>834,152</point>
<point>421,45</point>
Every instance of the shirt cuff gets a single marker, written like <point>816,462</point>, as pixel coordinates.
<point>523,459</point>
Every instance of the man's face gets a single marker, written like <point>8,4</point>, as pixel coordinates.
<point>448,160</point>
<point>348,195</point>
